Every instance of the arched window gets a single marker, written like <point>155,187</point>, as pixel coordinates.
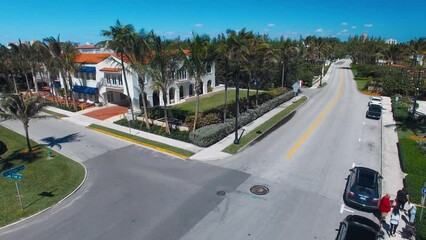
<point>181,96</point>
<point>172,95</point>
<point>209,86</point>
<point>191,90</point>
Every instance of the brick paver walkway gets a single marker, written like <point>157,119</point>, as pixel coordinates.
<point>107,112</point>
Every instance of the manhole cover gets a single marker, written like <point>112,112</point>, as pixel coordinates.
<point>259,190</point>
<point>221,193</point>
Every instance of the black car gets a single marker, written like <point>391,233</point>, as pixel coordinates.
<point>374,111</point>
<point>356,227</point>
<point>363,189</point>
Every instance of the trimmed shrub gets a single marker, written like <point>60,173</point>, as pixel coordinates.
<point>203,120</point>
<point>209,135</point>
<point>139,125</point>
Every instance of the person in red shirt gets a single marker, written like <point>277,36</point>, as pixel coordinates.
<point>385,206</point>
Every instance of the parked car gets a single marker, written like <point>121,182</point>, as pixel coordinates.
<point>375,100</point>
<point>374,111</point>
<point>363,189</point>
<point>356,227</point>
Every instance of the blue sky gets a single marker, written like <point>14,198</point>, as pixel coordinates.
<point>82,21</point>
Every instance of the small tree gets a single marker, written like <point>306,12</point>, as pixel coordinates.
<point>15,106</point>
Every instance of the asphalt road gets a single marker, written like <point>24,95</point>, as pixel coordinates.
<point>135,193</point>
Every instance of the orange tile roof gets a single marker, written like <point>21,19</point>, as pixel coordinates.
<point>91,57</point>
<point>110,69</point>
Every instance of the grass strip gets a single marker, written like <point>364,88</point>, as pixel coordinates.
<point>143,141</point>
<point>263,128</point>
<point>55,114</point>
<point>45,183</point>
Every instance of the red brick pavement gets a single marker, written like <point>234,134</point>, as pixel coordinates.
<point>107,112</point>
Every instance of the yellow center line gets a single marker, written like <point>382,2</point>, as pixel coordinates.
<point>317,121</point>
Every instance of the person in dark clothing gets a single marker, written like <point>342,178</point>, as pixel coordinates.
<point>401,198</point>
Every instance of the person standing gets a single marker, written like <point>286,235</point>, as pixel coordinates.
<point>385,206</point>
<point>412,213</point>
<point>394,221</point>
<point>402,198</point>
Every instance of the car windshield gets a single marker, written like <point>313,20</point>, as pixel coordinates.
<point>366,179</point>
<point>376,99</point>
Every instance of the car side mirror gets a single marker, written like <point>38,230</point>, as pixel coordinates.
<point>380,177</point>
<point>351,170</point>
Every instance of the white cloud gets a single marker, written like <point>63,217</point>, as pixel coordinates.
<point>199,25</point>
<point>271,24</point>
<point>344,23</point>
<point>319,30</point>
<point>353,27</point>
<point>344,30</point>
<point>368,25</point>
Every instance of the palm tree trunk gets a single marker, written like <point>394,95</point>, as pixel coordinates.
<point>127,86</point>
<point>257,94</point>
<point>197,104</point>
<point>248,94</point>
<point>34,80</point>
<point>28,83</point>
<point>14,83</point>
<point>65,89</point>
<point>166,118</point>
<point>145,114</point>
<point>30,150</point>
<point>72,93</point>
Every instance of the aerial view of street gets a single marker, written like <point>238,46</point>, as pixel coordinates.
<point>213,120</point>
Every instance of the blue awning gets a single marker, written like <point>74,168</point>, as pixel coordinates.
<point>88,69</point>
<point>85,90</point>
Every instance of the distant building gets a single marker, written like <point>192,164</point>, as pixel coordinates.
<point>100,79</point>
<point>391,41</point>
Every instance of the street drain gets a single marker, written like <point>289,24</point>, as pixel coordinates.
<point>259,190</point>
<point>221,193</point>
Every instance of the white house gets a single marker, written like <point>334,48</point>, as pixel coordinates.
<point>100,79</point>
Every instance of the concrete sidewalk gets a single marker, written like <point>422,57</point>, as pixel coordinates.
<point>391,168</point>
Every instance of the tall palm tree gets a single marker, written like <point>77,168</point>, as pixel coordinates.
<point>8,61</point>
<point>15,106</point>
<point>224,54</point>
<point>140,53</point>
<point>163,65</point>
<point>417,46</point>
<point>201,55</point>
<point>20,50</point>
<point>121,41</point>
<point>286,55</point>
<point>60,60</point>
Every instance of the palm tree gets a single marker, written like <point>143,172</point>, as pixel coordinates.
<point>8,61</point>
<point>60,60</point>
<point>121,42</point>
<point>140,53</point>
<point>224,54</point>
<point>286,55</point>
<point>417,46</point>
<point>161,70</point>
<point>196,62</point>
<point>20,50</point>
<point>14,106</point>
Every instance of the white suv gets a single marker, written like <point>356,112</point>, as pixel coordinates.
<point>375,100</point>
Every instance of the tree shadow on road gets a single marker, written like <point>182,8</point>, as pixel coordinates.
<point>52,141</point>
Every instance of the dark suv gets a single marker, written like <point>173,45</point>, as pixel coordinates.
<point>363,189</point>
<point>356,227</point>
<point>374,111</point>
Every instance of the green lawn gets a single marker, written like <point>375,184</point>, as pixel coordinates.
<point>263,128</point>
<point>212,100</point>
<point>45,182</point>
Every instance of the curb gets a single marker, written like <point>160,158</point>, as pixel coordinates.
<point>267,130</point>
<point>163,150</point>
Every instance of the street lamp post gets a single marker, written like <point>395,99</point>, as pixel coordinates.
<point>282,76</point>
<point>237,107</point>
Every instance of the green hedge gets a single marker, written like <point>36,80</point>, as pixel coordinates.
<point>139,125</point>
<point>208,135</point>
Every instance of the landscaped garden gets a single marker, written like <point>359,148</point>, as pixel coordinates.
<point>211,125</point>
<point>45,182</point>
